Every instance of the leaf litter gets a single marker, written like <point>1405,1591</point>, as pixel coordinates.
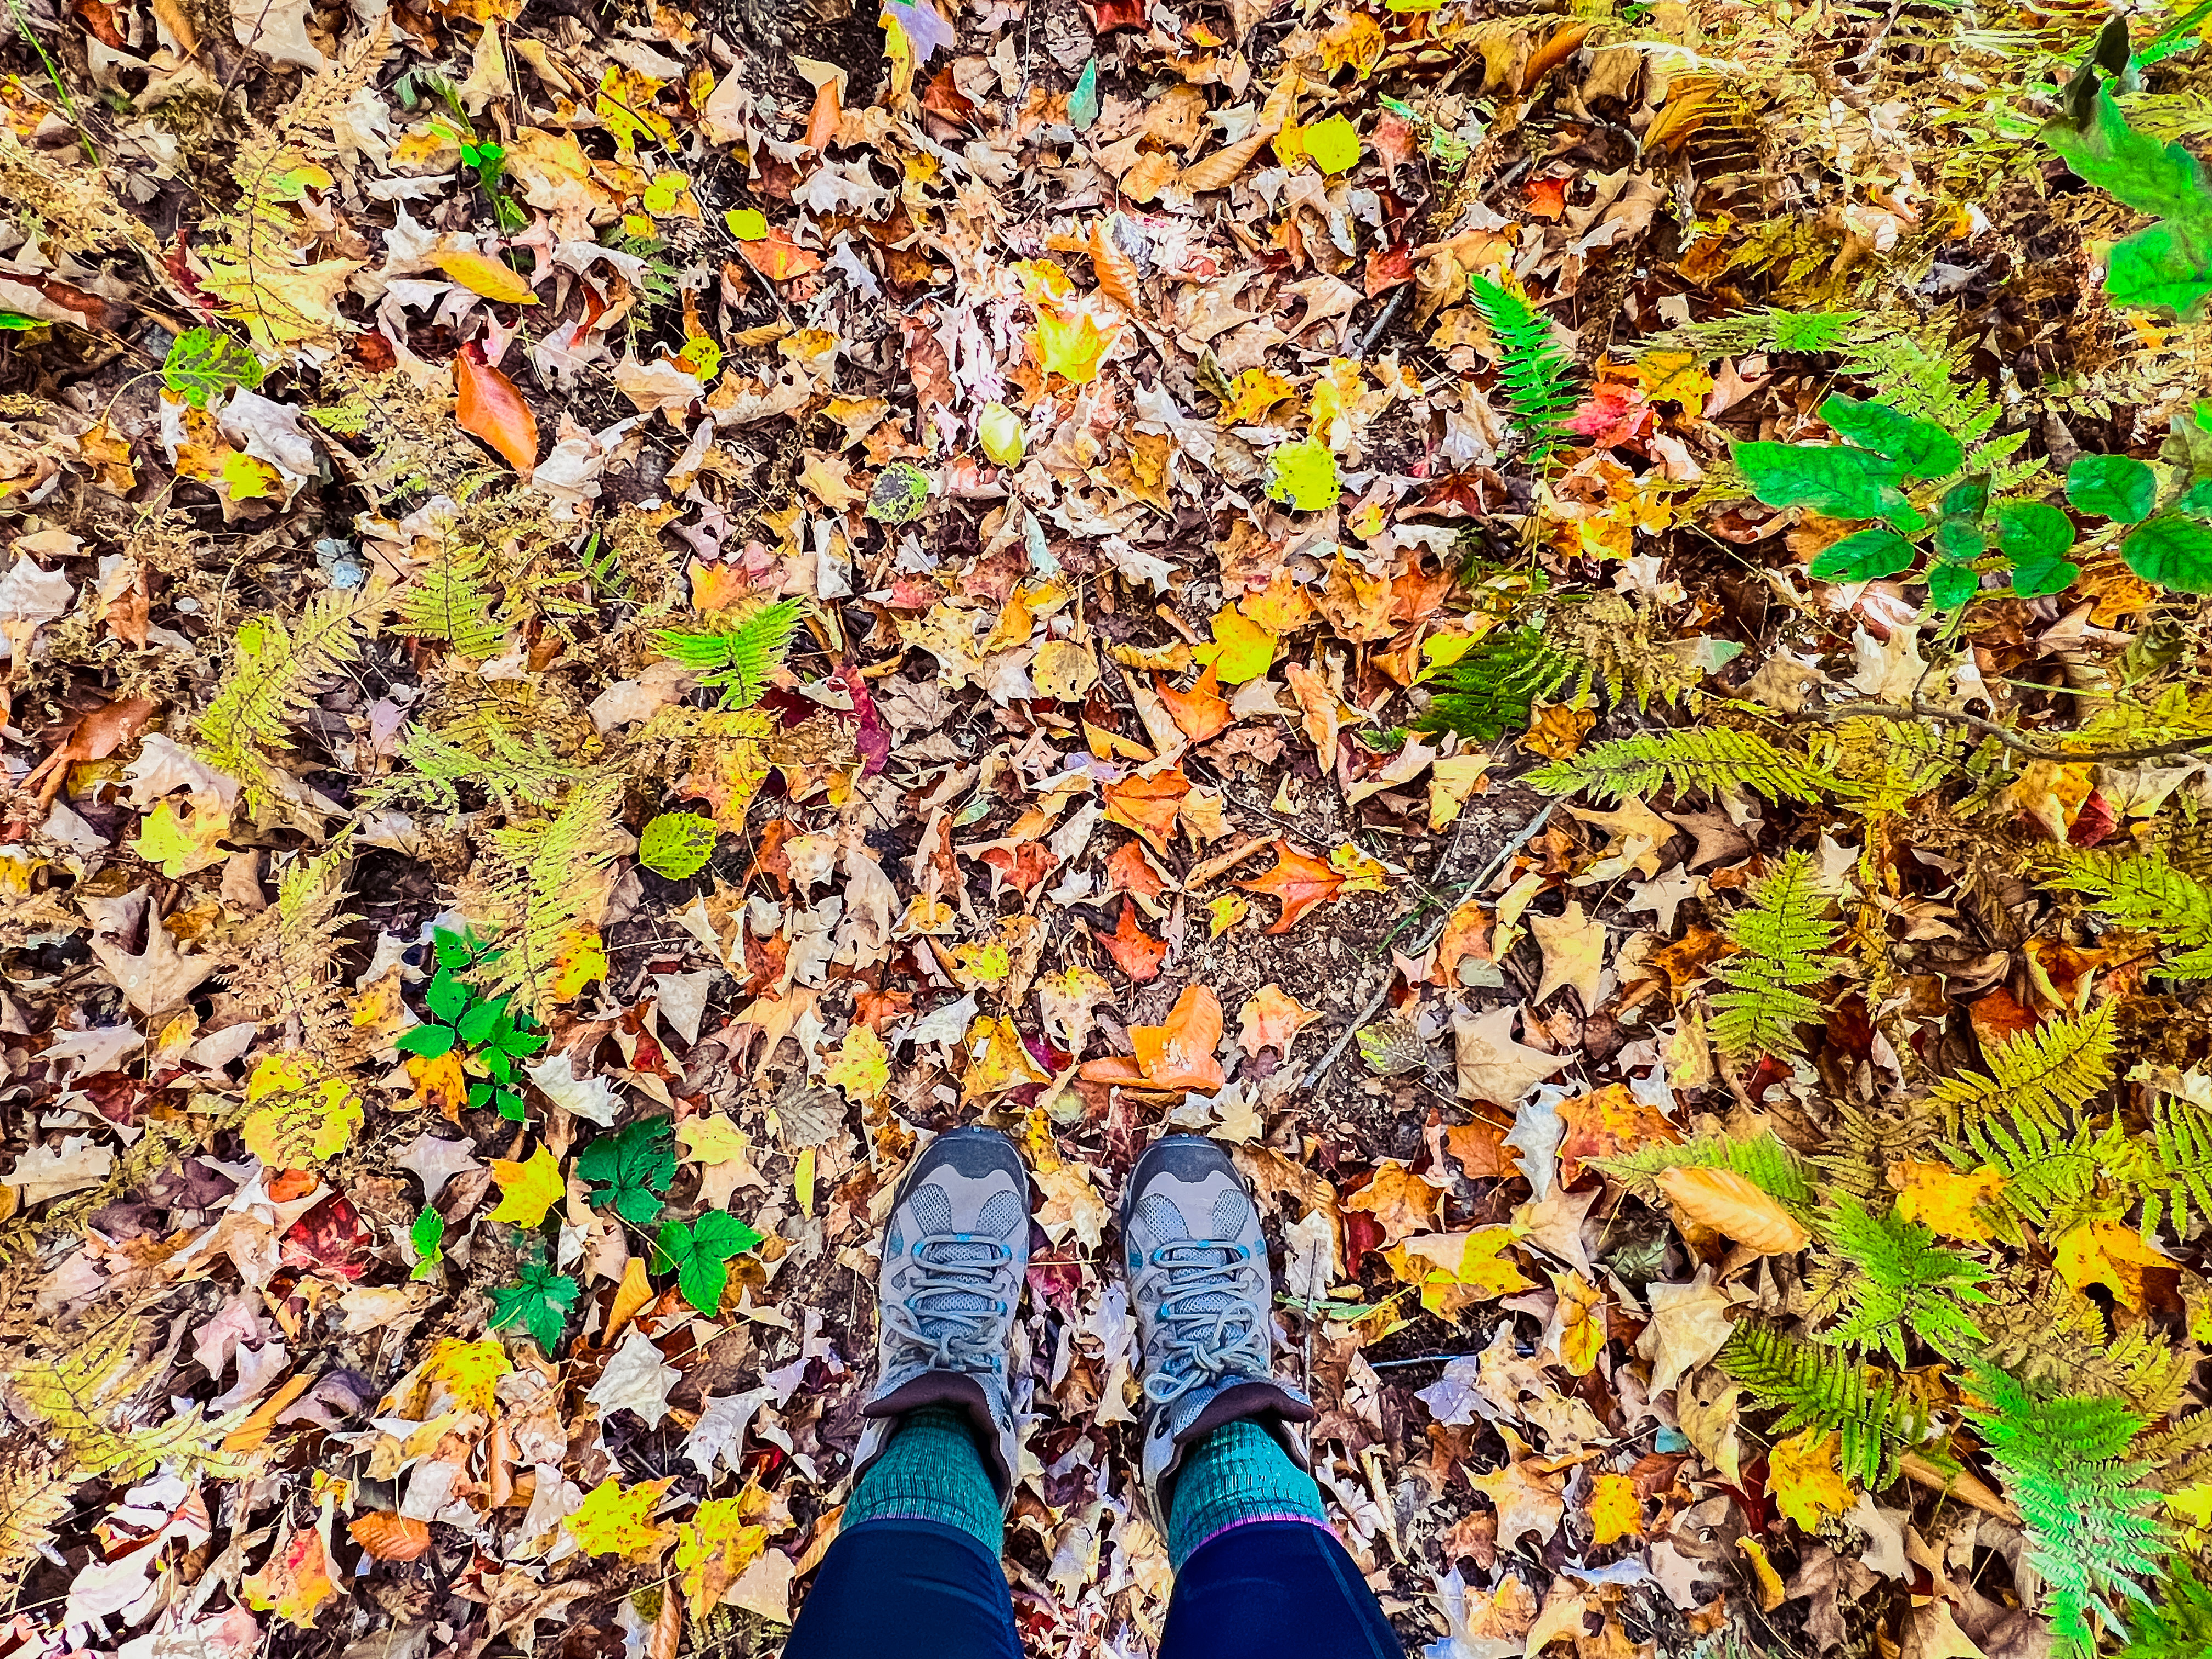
<point>610,620</point>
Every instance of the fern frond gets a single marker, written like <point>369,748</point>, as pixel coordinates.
<point>516,770</point>
<point>77,1395</point>
<point>1901,1281</point>
<point>2044,1074</point>
<point>1491,690</point>
<point>1761,1159</point>
<point>36,1495</point>
<point>1764,328</point>
<point>2051,1174</point>
<point>2064,1459</point>
<point>1707,760</point>
<point>1866,1138</point>
<point>284,966</point>
<point>1533,369</point>
<point>2181,1139</point>
<point>2179,1624</point>
<point>739,659</point>
<point>1782,943</point>
<point>551,881</point>
<point>274,672</point>
<point>452,600</point>
<point>1825,1392</point>
<point>2146,893</point>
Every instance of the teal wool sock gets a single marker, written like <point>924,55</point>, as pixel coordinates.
<point>1237,1474</point>
<point>931,1471</point>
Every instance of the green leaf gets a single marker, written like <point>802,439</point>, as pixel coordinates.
<point>630,1169</point>
<point>1922,448</point>
<point>2148,175</point>
<point>510,1105</point>
<point>2037,537</point>
<point>697,1252</point>
<point>428,1235</point>
<point>677,845</point>
<point>481,1021</point>
<point>447,998</point>
<point>1863,557</point>
<point>746,224</point>
<point>1334,143</point>
<point>453,950</point>
<point>2112,486</point>
<point>1083,102</point>
<point>900,494</point>
<point>203,364</point>
<point>2174,552</point>
<point>1832,479</point>
<point>540,1303</point>
<point>14,322</point>
<point>1302,475</point>
<point>2168,264</point>
<point>1950,586</point>
<point>428,1041</point>
<point>517,1043</point>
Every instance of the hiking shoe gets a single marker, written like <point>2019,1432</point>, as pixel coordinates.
<point>955,1253</point>
<point>1199,1280</point>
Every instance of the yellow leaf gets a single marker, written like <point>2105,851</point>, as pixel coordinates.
<point>2108,1253</point>
<point>1072,343</point>
<point>1807,1479</point>
<point>1943,1200</point>
<point>1730,1204</point>
<point>307,1117</point>
<point>802,1181</point>
<point>1456,1269</point>
<point>1771,1592</point>
<point>480,273</point>
<point>1225,913</point>
<point>527,1188</point>
<point>613,1522</point>
<point>580,958</point>
<point>862,1067</point>
<point>1615,1510</point>
<point>715,1546</point>
<point>997,1061</point>
<point>294,1582</point>
<point>441,1084</point>
<point>1674,377</point>
<point>1361,873</point>
<point>1452,779</point>
<point>469,1370</point>
<point>249,478</point>
<point>1582,1322</point>
<point>181,838</point>
<point>1252,394</point>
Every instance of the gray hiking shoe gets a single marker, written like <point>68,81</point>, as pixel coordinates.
<point>955,1253</point>
<point>1199,1280</point>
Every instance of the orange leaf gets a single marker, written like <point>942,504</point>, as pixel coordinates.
<point>1147,805</point>
<point>492,409</point>
<point>1179,1055</point>
<point>1201,712</point>
<point>1609,1121</point>
<point>777,257</point>
<point>1732,1206</point>
<point>822,124</point>
<point>1272,1018</point>
<point>1401,1202</point>
<point>1116,271</point>
<point>1130,871</point>
<point>390,1537</point>
<point>1300,882</point>
<point>1481,1151</point>
<point>1136,952</point>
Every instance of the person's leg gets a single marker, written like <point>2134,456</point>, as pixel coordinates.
<point>1258,1572</point>
<point>915,1568</point>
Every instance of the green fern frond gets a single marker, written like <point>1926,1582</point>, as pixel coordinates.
<point>2146,893</point>
<point>2064,1459</point>
<point>2179,1626</point>
<point>274,672</point>
<point>1714,760</point>
<point>550,882</point>
<point>1533,369</point>
<point>2044,1074</point>
<point>1782,943</point>
<point>1901,1281</point>
<point>1762,329</point>
<point>1492,689</point>
<point>739,659</point>
<point>1761,1159</point>
<point>451,600</point>
<point>2051,1174</point>
<point>517,770</point>
<point>1828,1394</point>
<point>2181,1140</point>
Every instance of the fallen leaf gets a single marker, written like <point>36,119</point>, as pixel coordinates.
<point>1272,1018</point>
<point>491,408</point>
<point>1298,882</point>
<point>527,1188</point>
<point>1733,1206</point>
<point>1135,953</point>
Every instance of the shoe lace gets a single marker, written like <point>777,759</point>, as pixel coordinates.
<point>949,1320</point>
<point>1207,1324</point>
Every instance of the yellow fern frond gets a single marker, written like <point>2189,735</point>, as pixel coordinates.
<point>2043,1074</point>
<point>274,672</point>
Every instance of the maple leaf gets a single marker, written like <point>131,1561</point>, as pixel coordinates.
<point>1574,954</point>
<point>719,1542</point>
<point>861,1066</point>
<point>1606,1122</point>
<point>1071,343</point>
<point>1401,1201</point>
<point>294,1582</point>
<point>1200,713</point>
<point>1807,1479</point>
<point>470,1372</point>
<point>1298,881</point>
<point>1147,805</point>
<point>1527,1501</point>
<point>1491,1065</point>
<point>527,1188</point>
<point>1272,1018</point>
<point>616,1520</point>
<point>1135,953</point>
<point>1615,1511</point>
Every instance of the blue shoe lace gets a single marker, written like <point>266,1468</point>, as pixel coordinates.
<point>950,1321</point>
<point>1209,1326</point>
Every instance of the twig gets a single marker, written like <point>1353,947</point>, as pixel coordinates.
<point>1321,1068</point>
<point>1375,331</point>
<point>1921,708</point>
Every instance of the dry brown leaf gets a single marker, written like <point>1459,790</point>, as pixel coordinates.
<point>390,1537</point>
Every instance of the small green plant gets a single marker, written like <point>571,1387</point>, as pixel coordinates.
<point>428,1235</point>
<point>1534,370</point>
<point>698,1253</point>
<point>462,1017</point>
<point>539,1301</point>
<point>203,364</point>
<point>1781,944</point>
<point>631,1169</point>
<point>737,660</point>
<point>677,845</point>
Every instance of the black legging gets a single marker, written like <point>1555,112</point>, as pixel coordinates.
<point>1272,1589</point>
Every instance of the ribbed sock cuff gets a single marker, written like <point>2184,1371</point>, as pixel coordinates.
<point>933,1470</point>
<point>1238,1474</point>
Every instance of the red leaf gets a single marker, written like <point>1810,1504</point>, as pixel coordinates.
<point>1300,882</point>
<point>1127,872</point>
<point>1387,267</point>
<point>1136,952</point>
<point>778,258</point>
<point>491,408</point>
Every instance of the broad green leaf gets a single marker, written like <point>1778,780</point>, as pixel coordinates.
<point>2112,486</point>
<point>447,998</point>
<point>2169,264</point>
<point>629,1169</point>
<point>1838,480</point>
<point>481,1021</point>
<point>540,1303</point>
<point>1083,102</point>
<point>1863,557</point>
<point>2037,537</point>
<point>1950,586</point>
<point>428,1041</point>
<point>1302,475</point>
<point>2148,175</point>
<point>677,845</point>
<point>2174,552</point>
<point>698,1252</point>
<point>428,1235</point>
<point>203,364</point>
<point>1922,448</point>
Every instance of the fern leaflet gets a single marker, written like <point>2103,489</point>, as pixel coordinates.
<point>274,674</point>
<point>1492,689</point>
<point>1902,1281</point>
<point>1761,1159</point>
<point>1532,367</point>
<point>737,660</point>
<point>2043,1075</point>
<point>1715,760</point>
<point>551,882</point>
<point>1830,1394</point>
<point>451,600</point>
<point>2146,893</point>
<point>1781,944</point>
